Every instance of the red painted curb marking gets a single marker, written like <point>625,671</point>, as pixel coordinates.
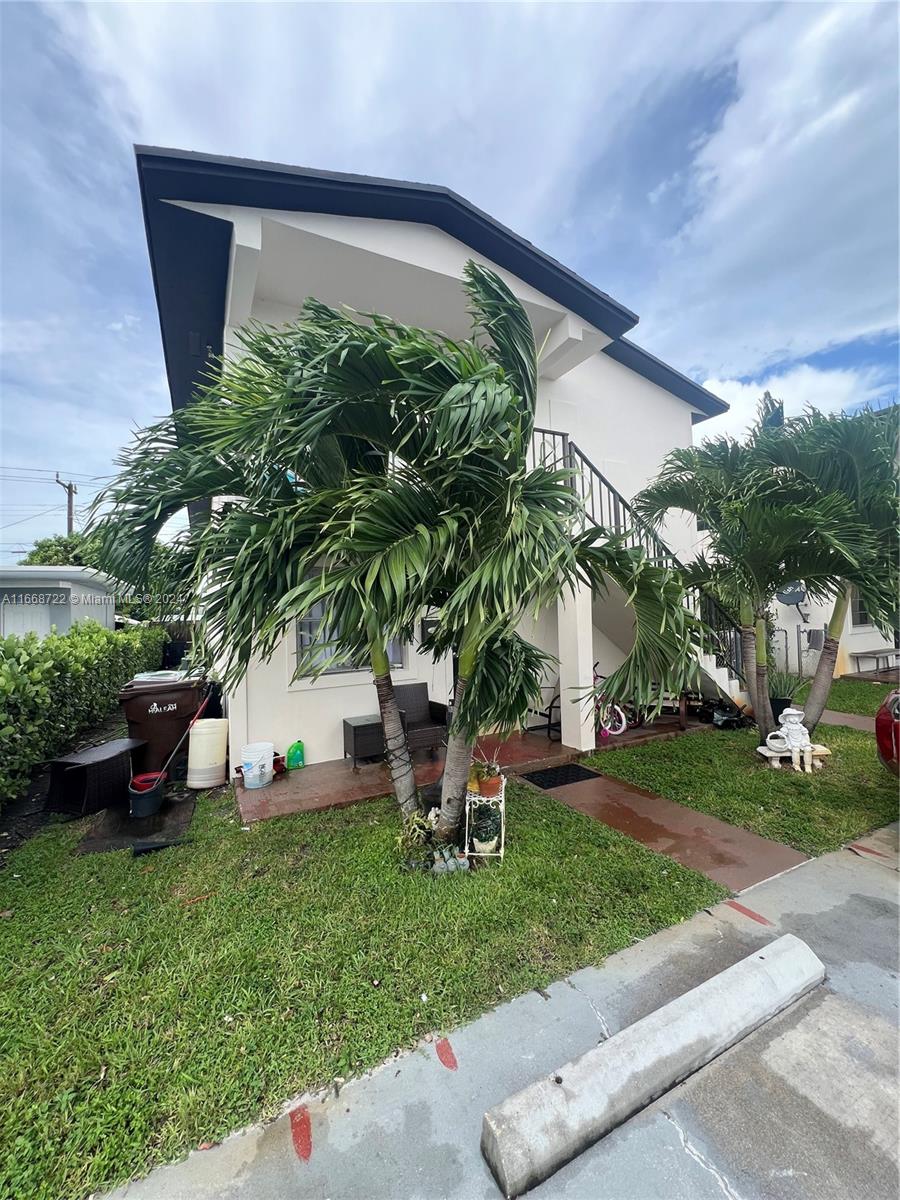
<point>748,912</point>
<point>867,850</point>
<point>301,1132</point>
<point>445,1054</point>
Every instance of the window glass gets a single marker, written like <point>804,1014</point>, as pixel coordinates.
<point>311,632</point>
<point>858,614</point>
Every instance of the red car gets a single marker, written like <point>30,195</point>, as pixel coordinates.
<point>887,732</point>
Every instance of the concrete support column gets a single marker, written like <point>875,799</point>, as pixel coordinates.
<point>576,667</point>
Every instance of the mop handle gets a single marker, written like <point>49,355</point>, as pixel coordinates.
<point>195,717</point>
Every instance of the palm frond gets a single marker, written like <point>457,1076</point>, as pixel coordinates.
<point>499,313</point>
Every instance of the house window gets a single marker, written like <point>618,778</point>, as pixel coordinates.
<point>858,614</point>
<point>312,633</point>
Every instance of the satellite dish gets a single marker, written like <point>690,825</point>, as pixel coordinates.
<point>791,593</point>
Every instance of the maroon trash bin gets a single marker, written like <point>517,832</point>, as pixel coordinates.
<point>158,712</point>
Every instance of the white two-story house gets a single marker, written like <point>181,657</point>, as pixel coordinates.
<point>233,240</point>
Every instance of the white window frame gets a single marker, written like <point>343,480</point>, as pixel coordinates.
<point>855,599</point>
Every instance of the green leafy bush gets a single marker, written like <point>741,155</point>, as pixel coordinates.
<point>52,688</point>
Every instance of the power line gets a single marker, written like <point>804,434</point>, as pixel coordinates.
<point>51,472</point>
<point>25,479</point>
<point>34,517</point>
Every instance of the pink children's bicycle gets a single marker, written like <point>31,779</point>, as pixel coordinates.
<point>609,719</point>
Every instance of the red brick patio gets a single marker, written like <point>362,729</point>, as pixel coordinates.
<point>335,784</point>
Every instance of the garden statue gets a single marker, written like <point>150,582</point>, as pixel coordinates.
<point>792,736</point>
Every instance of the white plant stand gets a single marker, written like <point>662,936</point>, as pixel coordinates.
<point>498,802</point>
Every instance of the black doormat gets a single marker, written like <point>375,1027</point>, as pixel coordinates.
<point>554,777</point>
<point>114,829</point>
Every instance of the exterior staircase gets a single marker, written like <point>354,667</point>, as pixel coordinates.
<point>722,664</point>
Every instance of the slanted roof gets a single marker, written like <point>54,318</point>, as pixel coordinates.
<point>189,251</point>
<point>86,576</point>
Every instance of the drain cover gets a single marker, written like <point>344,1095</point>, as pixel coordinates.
<point>554,777</point>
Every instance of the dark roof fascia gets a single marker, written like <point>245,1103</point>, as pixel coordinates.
<point>211,179</point>
<point>660,373</point>
<point>189,253</point>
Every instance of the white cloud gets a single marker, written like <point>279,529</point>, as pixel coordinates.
<point>769,235</point>
<point>788,242</point>
<point>505,103</point>
<point>832,390</point>
<point>793,245</point>
<point>126,322</point>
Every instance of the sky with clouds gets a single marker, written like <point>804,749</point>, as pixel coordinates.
<point>728,171</point>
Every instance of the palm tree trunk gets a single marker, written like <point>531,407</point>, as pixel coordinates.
<point>457,765</point>
<point>748,653</point>
<point>822,680</point>
<point>460,748</point>
<point>765,719</point>
<point>396,747</point>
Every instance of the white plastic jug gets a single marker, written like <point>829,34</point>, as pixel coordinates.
<point>256,761</point>
<point>207,752</point>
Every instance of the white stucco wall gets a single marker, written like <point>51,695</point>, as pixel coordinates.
<point>625,424</point>
<point>269,706</point>
<point>95,604</point>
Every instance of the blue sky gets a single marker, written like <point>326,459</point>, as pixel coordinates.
<point>728,171</point>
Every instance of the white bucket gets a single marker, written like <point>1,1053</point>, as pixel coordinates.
<point>207,751</point>
<point>256,760</point>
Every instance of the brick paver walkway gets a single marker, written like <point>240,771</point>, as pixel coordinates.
<point>733,857</point>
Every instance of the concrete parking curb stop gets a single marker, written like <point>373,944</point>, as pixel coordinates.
<point>536,1131</point>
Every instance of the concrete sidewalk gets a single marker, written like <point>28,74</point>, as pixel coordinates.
<point>806,1107</point>
<point>851,720</point>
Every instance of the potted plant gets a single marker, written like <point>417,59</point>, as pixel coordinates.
<point>783,687</point>
<point>487,774</point>
<point>486,826</point>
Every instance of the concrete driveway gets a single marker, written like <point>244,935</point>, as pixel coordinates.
<point>806,1107</point>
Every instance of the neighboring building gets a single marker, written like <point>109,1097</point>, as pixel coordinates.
<point>800,629</point>
<point>38,599</point>
<point>232,241</point>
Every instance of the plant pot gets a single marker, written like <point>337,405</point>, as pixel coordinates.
<point>485,847</point>
<point>491,786</point>
<point>779,704</point>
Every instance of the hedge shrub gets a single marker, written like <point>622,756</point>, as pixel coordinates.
<point>52,688</point>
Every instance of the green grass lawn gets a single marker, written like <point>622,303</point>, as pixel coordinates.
<point>855,696</point>
<point>720,773</point>
<point>154,1003</point>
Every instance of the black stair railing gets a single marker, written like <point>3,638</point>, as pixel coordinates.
<point>605,506</point>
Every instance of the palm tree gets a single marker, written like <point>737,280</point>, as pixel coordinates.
<point>377,469</point>
<point>253,545</point>
<point>765,529</point>
<point>456,419</point>
<point>853,456</point>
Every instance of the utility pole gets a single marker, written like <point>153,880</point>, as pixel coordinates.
<point>70,490</point>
